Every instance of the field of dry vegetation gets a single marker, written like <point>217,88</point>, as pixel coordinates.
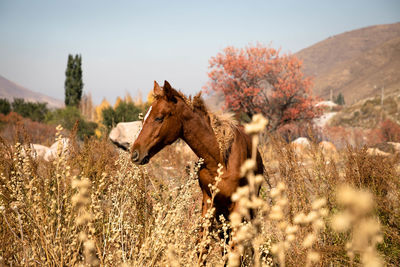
<point>91,206</point>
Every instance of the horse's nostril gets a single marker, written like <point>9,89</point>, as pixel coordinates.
<point>145,160</point>
<point>135,156</point>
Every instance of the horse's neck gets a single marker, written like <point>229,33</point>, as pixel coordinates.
<point>198,134</point>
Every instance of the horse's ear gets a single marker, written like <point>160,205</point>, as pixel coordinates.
<point>157,90</point>
<point>168,92</point>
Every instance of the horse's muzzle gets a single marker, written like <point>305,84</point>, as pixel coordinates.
<point>135,157</point>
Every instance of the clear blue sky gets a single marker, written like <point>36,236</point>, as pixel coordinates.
<point>126,45</point>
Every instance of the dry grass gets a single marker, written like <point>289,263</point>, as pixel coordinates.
<point>92,207</point>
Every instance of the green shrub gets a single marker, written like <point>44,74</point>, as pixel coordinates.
<point>5,106</point>
<point>36,111</point>
<point>67,117</point>
<point>124,112</point>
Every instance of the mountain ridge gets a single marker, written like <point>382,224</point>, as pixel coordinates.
<point>356,63</point>
<point>11,90</point>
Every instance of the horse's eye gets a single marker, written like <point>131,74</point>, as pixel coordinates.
<point>159,119</point>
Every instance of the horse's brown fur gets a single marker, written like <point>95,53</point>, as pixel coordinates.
<point>215,138</point>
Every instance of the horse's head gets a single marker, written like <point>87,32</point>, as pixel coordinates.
<point>161,125</point>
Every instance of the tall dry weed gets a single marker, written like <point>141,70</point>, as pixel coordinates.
<point>92,206</point>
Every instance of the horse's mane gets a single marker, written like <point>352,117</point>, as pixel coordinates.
<point>174,93</point>
<point>223,124</point>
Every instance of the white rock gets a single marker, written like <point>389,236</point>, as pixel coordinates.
<point>38,151</point>
<point>52,153</point>
<point>303,141</point>
<point>377,152</point>
<point>327,103</point>
<point>125,134</point>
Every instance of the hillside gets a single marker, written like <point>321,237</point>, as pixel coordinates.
<point>356,63</point>
<point>369,112</point>
<point>11,90</point>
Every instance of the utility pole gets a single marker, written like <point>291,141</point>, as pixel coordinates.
<point>382,96</point>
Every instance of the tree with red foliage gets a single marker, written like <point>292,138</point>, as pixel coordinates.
<point>260,80</point>
<point>390,131</point>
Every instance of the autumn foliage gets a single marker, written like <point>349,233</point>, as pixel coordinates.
<point>13,126</point>
<point>258,79</point>
<point>390,131</point>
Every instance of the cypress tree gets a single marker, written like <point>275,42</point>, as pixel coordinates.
<point>78,77</point>
<point>340,99</point>
<point>73,81</point>
<point>68,80</point>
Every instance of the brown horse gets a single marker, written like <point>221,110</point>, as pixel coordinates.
<point>216,139</point>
